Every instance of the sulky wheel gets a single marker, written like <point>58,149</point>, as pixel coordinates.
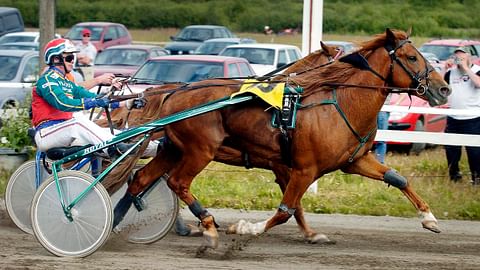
<point>92,216</point>
<point>160,209</point>
<point>20,190</point>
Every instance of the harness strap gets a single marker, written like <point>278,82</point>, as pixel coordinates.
<point>362,140</point>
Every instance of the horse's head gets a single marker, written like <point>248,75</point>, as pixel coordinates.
<point>409,69</point>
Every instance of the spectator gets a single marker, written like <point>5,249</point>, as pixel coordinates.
<point>382,123</point>
<point>86,55</point>
<point>267,30</point>
<point>464,78</point>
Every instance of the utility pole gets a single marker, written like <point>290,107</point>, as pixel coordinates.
<point>312,29</point>
<point>46,26</point>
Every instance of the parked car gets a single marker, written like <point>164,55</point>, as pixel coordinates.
<point>444,48</point>
<point>125,59</point>
<point>215,45</point>
<point>18,73</point>
<point>104,34</point>
<point>30,46</point>
<point>435,62</point>
<point>264,57</point>
<point>10,20</point>
<point>414,121</point>
<point>347,47</point>
<point>188,68</point>
<point>23,37</point>
<point>190,37</point>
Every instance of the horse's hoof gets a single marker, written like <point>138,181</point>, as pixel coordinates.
<point>431,226</point>
<point>232,229</point>
<point>210,240</point>
<point>319,239</point>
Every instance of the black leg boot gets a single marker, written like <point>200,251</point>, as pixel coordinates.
<point>121,208</point>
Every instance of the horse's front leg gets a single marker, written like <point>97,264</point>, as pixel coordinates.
<point>368,166</point>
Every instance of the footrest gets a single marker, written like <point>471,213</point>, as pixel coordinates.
<point>57,153</point>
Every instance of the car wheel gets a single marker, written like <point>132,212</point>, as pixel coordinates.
<point>418,147</point>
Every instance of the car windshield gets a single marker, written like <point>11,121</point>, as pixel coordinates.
<point>212,47</point>
<point>10,39</point>
<point>443,52</point>
<point>76,32</point>
<point>253,55</point>
<point>14,46</point>
<point>197,34</point>
<point>122,57</point>
<point>178,71</point>
<point>8,67</point>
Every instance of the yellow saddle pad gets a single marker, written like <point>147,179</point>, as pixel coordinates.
<point>272,93</point>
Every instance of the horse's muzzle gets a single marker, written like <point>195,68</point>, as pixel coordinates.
<point>445,91</point>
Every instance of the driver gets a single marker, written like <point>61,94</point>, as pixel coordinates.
<point>55,98</point>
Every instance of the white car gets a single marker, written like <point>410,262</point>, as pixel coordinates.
<point>22,37</point>
<point>264,57</point>
<point>18,73</point>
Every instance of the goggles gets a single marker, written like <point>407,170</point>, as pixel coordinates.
<point>69,58</point>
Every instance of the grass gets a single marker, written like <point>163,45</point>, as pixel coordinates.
<point>220,185</point>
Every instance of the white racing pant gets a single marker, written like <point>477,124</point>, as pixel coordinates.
<point>78,131</point>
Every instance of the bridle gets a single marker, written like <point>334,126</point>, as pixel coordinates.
<point>416,78</point>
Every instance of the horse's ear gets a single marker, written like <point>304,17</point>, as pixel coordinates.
<point>409,32</point>
<point>390,41</point>
<point>329,51</point>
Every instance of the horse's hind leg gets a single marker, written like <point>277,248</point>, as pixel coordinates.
<point>282,177</point>
<point>297,185</point>
<point>142,179</point>
<point>368,166</point>
<point>181,177</point>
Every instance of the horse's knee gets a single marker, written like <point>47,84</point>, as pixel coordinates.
<point>391,177</point>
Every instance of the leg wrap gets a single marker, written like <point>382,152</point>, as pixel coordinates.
<point>197,209</point>
<point>122,208</point>
<point>284,208</point>
<point>391,177</point>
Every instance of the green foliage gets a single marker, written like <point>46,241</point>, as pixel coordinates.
<point>427,17</point>
<point>14,130</point>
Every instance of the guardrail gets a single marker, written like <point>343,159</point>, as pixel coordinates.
<point>428,137</point>
<point>439,138</point>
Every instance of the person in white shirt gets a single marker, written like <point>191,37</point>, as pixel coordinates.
<point>464,78</point>
<point>86,55</point>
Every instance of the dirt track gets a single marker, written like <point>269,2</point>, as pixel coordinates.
<point>361,243</point>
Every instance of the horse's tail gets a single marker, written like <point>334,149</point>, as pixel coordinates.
<point>121,173</point>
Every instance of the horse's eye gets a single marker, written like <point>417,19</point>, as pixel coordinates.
<point>412,58</point>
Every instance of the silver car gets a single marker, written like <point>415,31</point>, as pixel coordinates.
<point>18,74</point>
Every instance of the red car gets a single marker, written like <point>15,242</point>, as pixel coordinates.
<point>443,48</point>
<point>125,59</point>
<point>414,121</point>
<point>104,34</point>
<point>188,68</point>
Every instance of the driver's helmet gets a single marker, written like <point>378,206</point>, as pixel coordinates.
<point>57,47</point>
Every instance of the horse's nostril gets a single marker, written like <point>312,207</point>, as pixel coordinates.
<point>445,91</point>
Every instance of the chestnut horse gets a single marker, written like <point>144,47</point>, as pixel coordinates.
<point>226,154</point>
<point>335,129</point>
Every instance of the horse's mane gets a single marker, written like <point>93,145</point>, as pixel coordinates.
<point>340,72</point>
